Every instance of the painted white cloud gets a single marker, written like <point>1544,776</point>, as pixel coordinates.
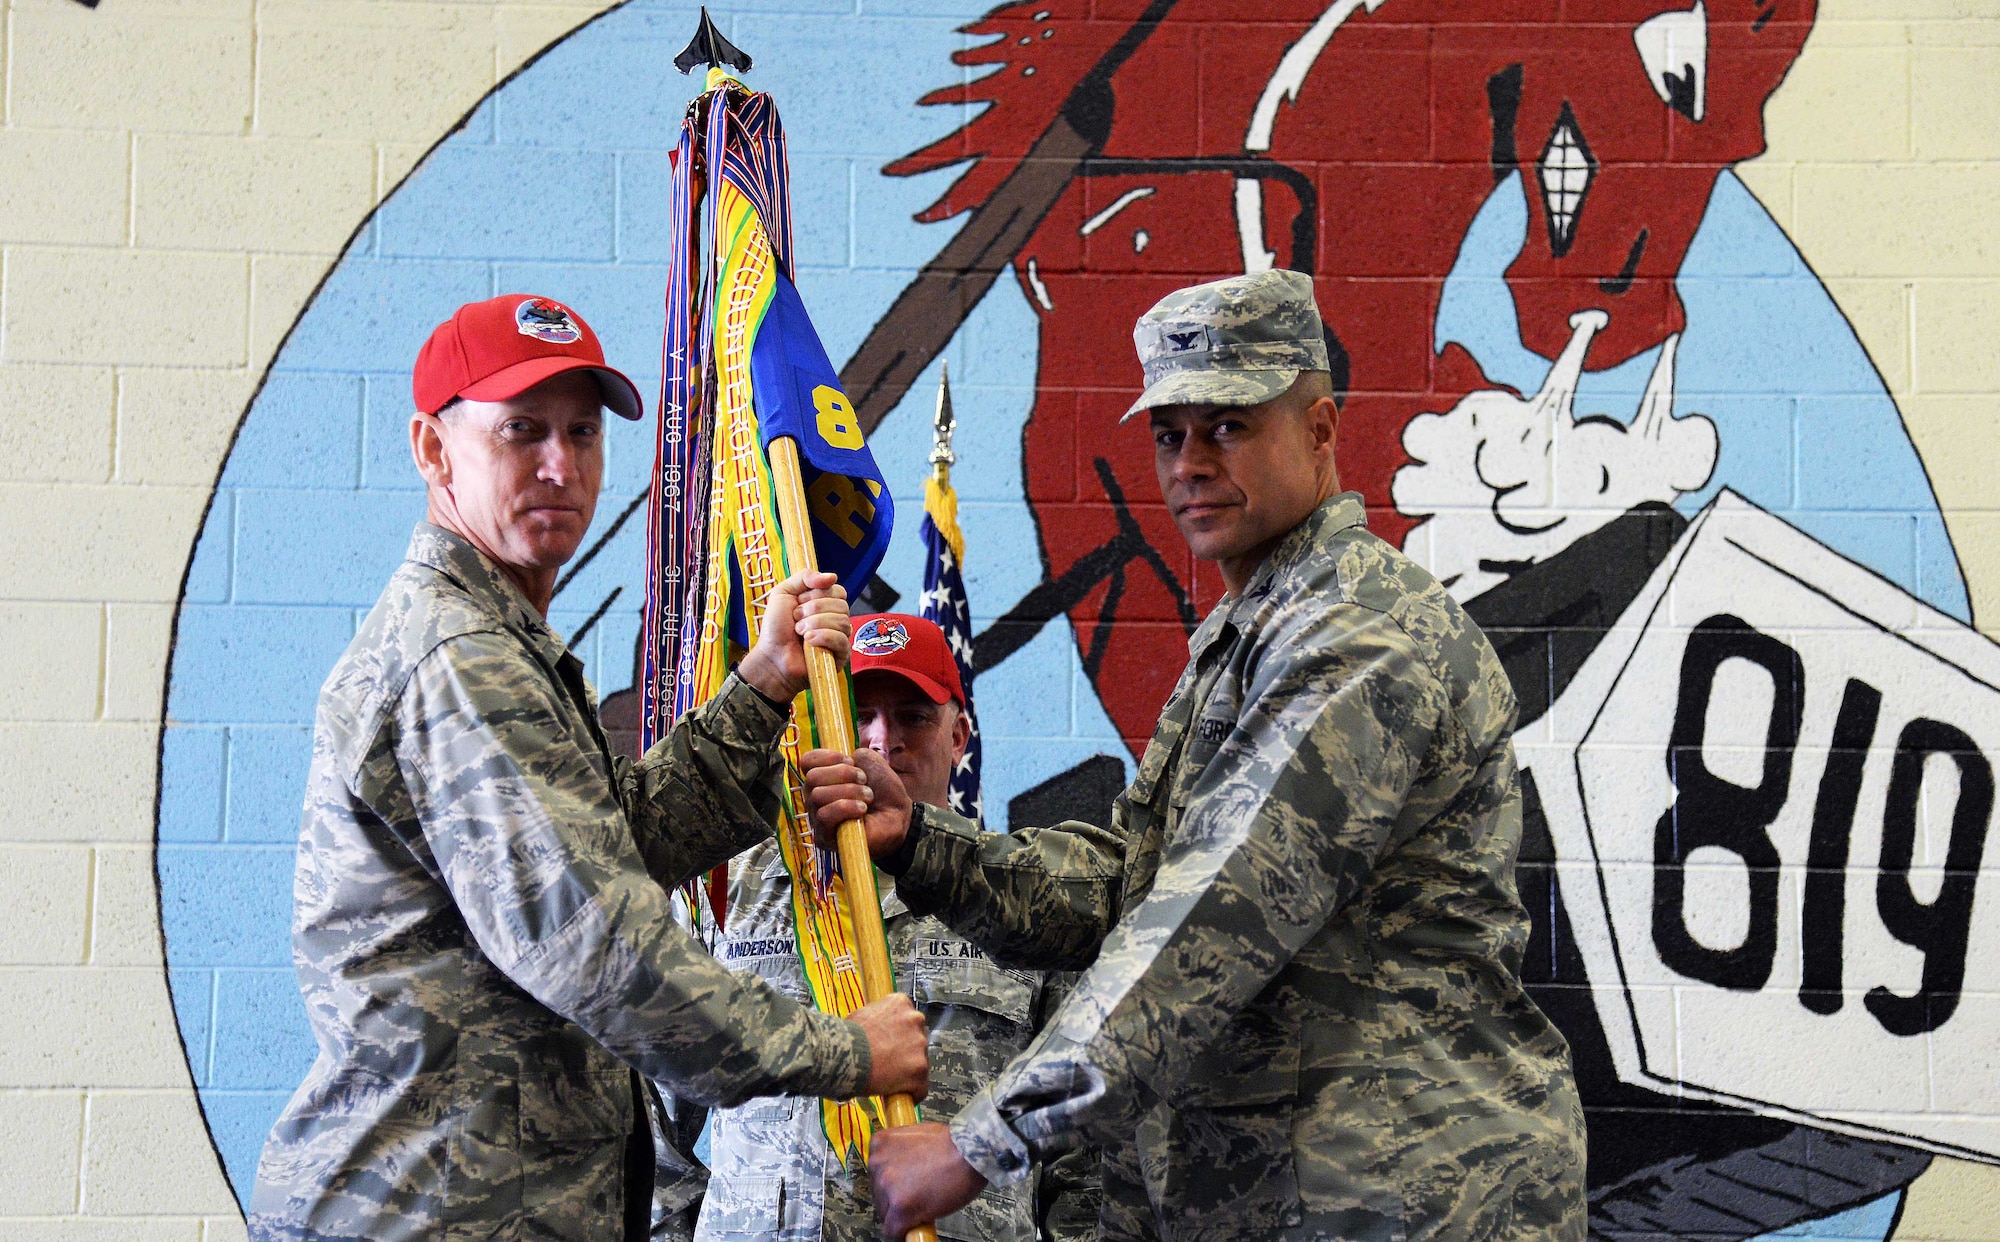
<point>1503,482</point>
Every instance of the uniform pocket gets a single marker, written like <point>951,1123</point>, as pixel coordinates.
<point>763,1133</point>
<point>1166,740</point>
<point>571,1104</point>
<point>740,1205</point>
<point>1226,1168</point>
<point>767,1108</point>
<point>945,972</point>
<point>763,1122</point>
<point>1227,1173</point>
<point>999,1214</point>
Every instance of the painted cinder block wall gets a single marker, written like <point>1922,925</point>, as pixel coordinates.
<point>176,181</point>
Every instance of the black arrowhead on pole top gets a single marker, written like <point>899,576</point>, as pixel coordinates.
<point>708,47</point>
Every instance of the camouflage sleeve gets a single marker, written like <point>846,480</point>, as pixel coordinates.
<point>709,789</point>
<point>527,835</point>
<point>1284,823</point>
<point>1036,899</point>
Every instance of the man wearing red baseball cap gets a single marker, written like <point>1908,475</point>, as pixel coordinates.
<point>489,376</point>
<point>498,349</point>
<point>909,702</point>
<point>482,930</point>
<point>910,708</point>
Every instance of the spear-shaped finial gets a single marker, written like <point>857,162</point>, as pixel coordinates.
<point>708,47</point>
<point>941,428</point>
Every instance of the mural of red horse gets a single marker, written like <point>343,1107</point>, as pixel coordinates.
<point>1355,142</point>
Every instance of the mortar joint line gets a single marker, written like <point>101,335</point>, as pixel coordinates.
<point>103,674</point>
<point>7,67</point>
<point>132,189</point>
<point>82,1150</point>
<point>117,423</point>
<point>90,877</point>
<point>256,65</point>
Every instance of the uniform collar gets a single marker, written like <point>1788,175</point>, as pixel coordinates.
<point>454,556</point>
<point>1335,514</point>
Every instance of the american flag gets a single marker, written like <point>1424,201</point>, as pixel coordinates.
<point>944,601</point>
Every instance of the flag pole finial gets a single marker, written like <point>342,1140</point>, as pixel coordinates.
<point>708,47</point>
<point>941,428</point>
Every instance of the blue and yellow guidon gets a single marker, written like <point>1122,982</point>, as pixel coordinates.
<point>773,380</point>
<point>798,394</point>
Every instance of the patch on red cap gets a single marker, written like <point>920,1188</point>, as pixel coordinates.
<point>881,637</point>
<point>546,321</point>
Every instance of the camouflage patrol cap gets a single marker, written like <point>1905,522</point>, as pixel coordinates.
<point>1240,341</point>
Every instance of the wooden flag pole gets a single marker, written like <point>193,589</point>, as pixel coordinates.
<point>834,729</point>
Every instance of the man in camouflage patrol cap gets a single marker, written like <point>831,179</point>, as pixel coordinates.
<point>1301,927</point>
<point>1234,343</point>
<point>773,1174</point>
<point>480,927</point>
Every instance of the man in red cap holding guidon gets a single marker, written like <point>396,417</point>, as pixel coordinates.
<point>482,930</point>
<point>773,1175</point>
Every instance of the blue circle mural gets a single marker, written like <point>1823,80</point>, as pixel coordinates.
<point>1705,366</point>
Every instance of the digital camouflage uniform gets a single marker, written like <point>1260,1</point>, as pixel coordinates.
<point>1302,934</point>
<point>482,936</point>
<point>773,1174</point>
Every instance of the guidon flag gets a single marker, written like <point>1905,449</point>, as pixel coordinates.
<point>741,367</point>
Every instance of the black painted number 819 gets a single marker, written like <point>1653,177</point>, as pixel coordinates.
<point>1709,811</point>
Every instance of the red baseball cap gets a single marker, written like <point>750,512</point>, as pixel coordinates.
<point>910,647</point>
<point>500,348</point>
